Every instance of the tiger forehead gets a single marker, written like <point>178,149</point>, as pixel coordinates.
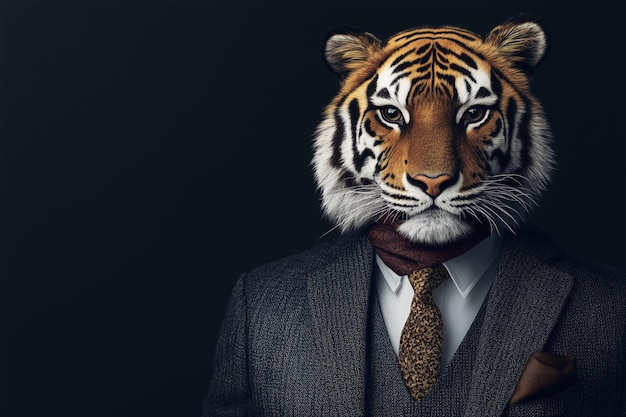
<point>449,43</point>
<point>441,49</point>
<point>432,62</point>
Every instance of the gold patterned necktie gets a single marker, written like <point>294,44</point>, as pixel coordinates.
<point>422,336</point>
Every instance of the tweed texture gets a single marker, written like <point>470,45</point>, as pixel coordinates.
<point>422,336</point>
<point>293,340</point>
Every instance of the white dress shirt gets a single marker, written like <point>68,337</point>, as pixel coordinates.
<point>458,299</point>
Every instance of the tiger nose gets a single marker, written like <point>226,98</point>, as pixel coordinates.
<point>433,186</point>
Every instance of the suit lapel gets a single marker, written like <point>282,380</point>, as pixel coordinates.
<point>338,295</point>
<point>522,308</point>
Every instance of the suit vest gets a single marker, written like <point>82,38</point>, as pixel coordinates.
<point>386,394</point>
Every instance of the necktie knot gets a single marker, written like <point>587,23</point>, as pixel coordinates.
<point>427,279</point>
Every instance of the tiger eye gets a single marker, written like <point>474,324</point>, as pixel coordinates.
<point>474,114</point>
<point>391,114</point>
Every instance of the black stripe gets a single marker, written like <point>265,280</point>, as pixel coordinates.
<point>447,78</point>
<point>422,49</point>
<point>442,89</point>
<point>419,89</point>
<point>371,87</point>
<point>483,92</point>
<point>494,133</point>
<point>505,157</point>
<point>418,79</point>
<point>441,65</point>
<point>462,56</point>
<point>421,60</point>
<point>496,85</point>
<point>522,129</point>
<point>423,68</point>
<point>337,137</point>
<point>347,178</point>
<point>511,112</point>
<point>462,71</point>
<point>524,134</point>
<point>468,60</point>
<point>401,197</point>
<point>401,57</point>
<point>382,161</point>
<point>442,58</point>
<point>399,77</point>
<point>384,93</point>
<point>467,48</point>
<point>354,112</point>
<point>368,128</point>
<point>359,158</point>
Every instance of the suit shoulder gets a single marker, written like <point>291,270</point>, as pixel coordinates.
<point>594,281</point>
<point>598,284</point>
<point>286,271</point>
<point>605,282</point>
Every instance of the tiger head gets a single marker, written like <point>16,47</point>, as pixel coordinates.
<point>436,129</point>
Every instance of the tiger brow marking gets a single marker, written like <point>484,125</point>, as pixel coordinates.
<point>483,92</point>
<point>384,93</point>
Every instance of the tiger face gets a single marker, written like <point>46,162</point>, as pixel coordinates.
<point>436,129</point>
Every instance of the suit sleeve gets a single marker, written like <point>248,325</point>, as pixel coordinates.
<point>229,393</point>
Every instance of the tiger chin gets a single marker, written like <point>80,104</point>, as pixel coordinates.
<point>435,129</point>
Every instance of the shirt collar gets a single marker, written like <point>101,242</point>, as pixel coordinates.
<point>465,270</point>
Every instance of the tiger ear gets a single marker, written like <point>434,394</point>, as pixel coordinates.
<point>521,39</point>
<point>346,50</point>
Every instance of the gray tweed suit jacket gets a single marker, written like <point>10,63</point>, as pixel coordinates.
<point>293,338</point>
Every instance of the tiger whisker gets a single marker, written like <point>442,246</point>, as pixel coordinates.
<point>503,207</point>
<point>323,235</point>
<point>492,223</point>
<point>487,207</point>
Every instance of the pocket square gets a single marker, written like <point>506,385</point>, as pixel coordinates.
<point>545,374</point>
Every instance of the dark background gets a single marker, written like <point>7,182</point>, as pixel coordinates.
<point>151,151</point>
